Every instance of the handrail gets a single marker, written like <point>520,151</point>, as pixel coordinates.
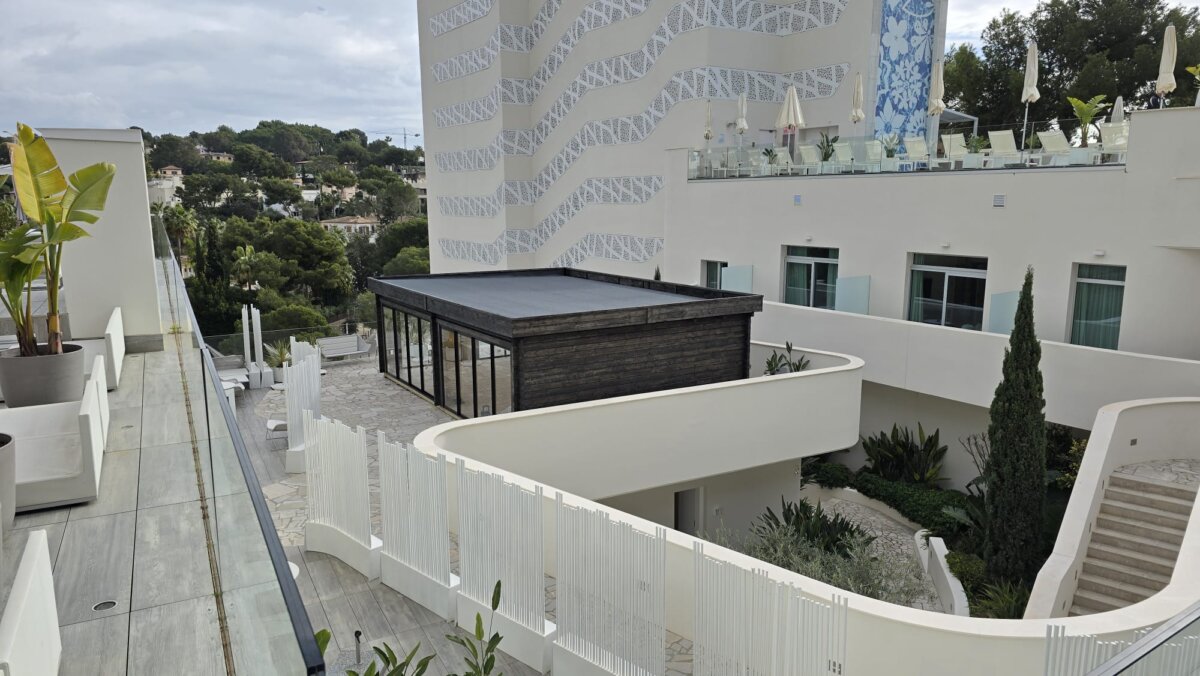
<point>1148,643</point>
<point>314,662</point>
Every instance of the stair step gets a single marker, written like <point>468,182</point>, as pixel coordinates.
<point>1144,513</point>
<point>1148,562</point>
<point>1092,602</point>
<point>1112,522</point>
<point>1136,545</point>
<point>1129,593</point>
<point>1145,485</point>
<point>1134,496</point>
<point>1119,572</point>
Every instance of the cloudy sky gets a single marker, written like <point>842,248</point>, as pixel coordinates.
<point>182,65</point>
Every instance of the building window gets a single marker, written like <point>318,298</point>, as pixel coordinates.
<point>710,273</point>
<point>810,276</point>
<point>947,290</point>
<point>1099,295</point>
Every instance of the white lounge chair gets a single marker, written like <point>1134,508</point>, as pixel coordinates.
<point>874,161</point>
<point>60,447</point>
<point>1004,149</point>
<point>112,346</point>
<point>810,159</point>
<point>1056,151</point>
<point>843,158</point>
<point>30,642</point>
<point>916,150</point>
<point>1114,141</point>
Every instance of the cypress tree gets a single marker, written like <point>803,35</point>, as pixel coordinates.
<point>1016,471</point>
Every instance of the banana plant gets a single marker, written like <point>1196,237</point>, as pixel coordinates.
<point>1195,71</point>
<point>55,206</point>
<point>1087,111</point>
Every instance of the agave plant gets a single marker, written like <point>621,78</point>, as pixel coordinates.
<point>54,205</point>
<point>804,521</point>
<point>900,456</point>
<point>1087,111</point>
<point>278,353</point>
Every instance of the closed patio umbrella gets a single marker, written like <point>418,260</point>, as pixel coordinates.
<point>1029,92</point>
<point>1118,110</point>
<point>708,133</point>
<point>741,125</point>
<point>1166,67</point>
<point>937,90</point>
<point>856,103</point>
<point>790,116</point>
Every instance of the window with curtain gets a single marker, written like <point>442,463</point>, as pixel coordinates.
<point>710,271</point>
<point>1099,295</point>
<point>810,276</point>
<point>947,290</point>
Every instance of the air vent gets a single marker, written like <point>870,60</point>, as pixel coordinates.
<point>797,201</point>
<point>999,200</point>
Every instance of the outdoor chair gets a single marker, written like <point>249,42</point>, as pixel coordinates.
<point>1114,141</point>
<point>874,163</point>
<point>916,150</point>
<point>112,346</point>
<point>1056,151</point>
<point>843,158</point>
<point>810,159</point>
<point>1004,149</point>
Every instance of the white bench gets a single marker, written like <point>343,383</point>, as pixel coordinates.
<point>112,347</point>
<point>343,346</point>
<point>60,447</point>
<point>30,642</point>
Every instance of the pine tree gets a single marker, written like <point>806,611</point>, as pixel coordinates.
<point>1016,471</point>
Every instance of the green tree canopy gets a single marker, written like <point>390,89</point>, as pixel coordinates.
<point>292,316</point>
<point>411,260</point>
<point>280,191</point>
<point>172,150</point>
<point>1087,48</point>
<point>253,161</point>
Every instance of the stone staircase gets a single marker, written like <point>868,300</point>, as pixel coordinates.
<point>1135,541</point>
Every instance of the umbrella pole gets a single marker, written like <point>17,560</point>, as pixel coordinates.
<point>1023,124</point>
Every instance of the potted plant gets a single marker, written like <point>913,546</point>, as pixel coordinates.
<point>771,155</point>
<point>1087,111</point>
<point>55,206</point>
<point>976,144</point>
<point>1195,71</point>
<point>891,144</point>
<point>826,148</point>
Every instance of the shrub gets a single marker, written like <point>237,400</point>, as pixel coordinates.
<point>830,532</point>
<point>295,316</point>
<point>900,456</point>
<point>783,363</point>
<point>1004,600</point>
<point>831,475</point>
<point>1066,478</point>
<point>921,504</point>
<point>970,570</point>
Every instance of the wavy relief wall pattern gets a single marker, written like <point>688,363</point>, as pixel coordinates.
<point>695,83</point>
<point>472,10</point>
<point>632,66</point>
<point>628,248</point>
<point>607,190</point>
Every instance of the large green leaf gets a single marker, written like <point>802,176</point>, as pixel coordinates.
<point>40,182</point>
<point>87,193</point>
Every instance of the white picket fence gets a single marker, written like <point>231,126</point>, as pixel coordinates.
<point>302,390</point>
<point>748,624</point>
<point>335,459</point>
<point>611,592</point>
<point>416,529</point>
<point>500,538</point>
<point>1076,655</point>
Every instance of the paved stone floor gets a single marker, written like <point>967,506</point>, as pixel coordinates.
<point>355,393</point>
<point>893,541</point>
<point>1177,471</point>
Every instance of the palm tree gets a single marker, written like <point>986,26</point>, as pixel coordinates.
<point>1087,111</point>
<point>180,223</point>
<point>243,265</point>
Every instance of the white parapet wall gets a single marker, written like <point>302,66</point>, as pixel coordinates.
<point>644,441</point>
<point>880,637</point>
<point>1124,433</point>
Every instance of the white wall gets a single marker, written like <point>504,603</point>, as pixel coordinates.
<point>643,441</point>
<point>964,366</point>
<point>115,266</point>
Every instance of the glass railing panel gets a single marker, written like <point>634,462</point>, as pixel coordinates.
<point>1171,648</point>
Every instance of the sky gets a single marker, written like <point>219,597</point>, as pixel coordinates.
<point>182,65</point>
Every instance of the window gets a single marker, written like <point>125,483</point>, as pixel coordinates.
<point>409,348</point>
<point>947,290</point>
<point>710,273</point>
<point>1099,295</point>
<point>476,375</point>
<point>810,276</point>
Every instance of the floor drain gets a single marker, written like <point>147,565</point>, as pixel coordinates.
<point>105,605</point>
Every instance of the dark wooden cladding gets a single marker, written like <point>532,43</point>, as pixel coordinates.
<point>572,367</point>
<point>638,343</point>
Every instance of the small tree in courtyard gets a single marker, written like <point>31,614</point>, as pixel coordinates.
<point>1017,467</point>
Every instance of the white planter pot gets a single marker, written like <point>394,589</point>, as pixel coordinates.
<point>44,379</point>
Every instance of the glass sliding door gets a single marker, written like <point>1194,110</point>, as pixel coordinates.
<point>476,375</point>
<point>810,276</point>
<point>947,290</point>
<point>409,350</point>
<point>1099,297</point>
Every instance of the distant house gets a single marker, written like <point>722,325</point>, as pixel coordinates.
<point>213,155</point>
<point>350,225</point>
<point>170,171</point>
<point>162,187</point>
